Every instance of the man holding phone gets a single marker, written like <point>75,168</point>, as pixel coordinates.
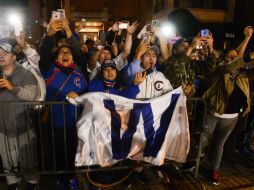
<point>180,70</point>
<point>16,84</point>
<point>155,83</point>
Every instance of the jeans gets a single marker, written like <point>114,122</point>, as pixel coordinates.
<point>219,130</point>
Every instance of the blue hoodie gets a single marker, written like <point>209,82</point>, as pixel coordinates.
<point>129,91</point>
<point>54,79</point>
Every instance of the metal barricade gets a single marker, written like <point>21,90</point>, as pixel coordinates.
<point>197,114</point>
<point>44,139</point>
<point>44,131</point>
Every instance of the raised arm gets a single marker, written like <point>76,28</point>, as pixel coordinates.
<point>128,41</point>
<point>135,67</point>
<point>46,45</point>
<point>165,51</point>
<point>248,31</point>
<point>31,54</point>
<point>238,62</point>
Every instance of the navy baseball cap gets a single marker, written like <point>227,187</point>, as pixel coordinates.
<point>108,63</point>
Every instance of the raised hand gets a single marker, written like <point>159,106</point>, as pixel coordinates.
<point>142,48</point>
<point>115,27</point>
<point>248,31</point>
<point>133,27</point>
<point>139,78</point>
<point>66,27</point>
<point>21,39</point>
<point>54,27</point>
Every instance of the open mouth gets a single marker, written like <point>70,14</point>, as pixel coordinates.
<point>65,60</point>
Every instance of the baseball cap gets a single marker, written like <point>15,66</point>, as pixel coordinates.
<point>6,46</point>
<point>155,49</point>
<point>180,41</point>
<point>108,63</point>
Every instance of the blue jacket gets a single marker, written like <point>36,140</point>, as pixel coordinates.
<point>54,78</point>
<point>129,91</point>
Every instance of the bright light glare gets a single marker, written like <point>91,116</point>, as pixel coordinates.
<point>14,19</point>
<point>168,30</point>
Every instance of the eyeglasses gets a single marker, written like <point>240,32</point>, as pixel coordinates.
<point>61,53</point>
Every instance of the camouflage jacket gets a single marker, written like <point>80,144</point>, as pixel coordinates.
<point>182,70</point>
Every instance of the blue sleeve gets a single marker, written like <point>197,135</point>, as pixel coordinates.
<point>133,68</point>
<point>48,73</point>
<point>130,91</point>
<point>96,86</point>
<point>84,85</point>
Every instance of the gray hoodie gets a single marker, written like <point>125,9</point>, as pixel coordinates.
<point>14,118</point>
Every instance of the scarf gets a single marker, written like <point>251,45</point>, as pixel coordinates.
<point>66,70</point>
<point>109,83</point>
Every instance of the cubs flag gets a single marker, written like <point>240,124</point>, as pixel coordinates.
<point>113,128</point>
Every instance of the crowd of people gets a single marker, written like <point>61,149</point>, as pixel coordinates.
<point>66,67</point>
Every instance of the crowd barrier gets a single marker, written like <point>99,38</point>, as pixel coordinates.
<point>42,139</point>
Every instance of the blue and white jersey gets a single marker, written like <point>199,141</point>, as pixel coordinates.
<point>54,79</point>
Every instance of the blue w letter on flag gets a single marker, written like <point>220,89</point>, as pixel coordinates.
<point>121,146</point>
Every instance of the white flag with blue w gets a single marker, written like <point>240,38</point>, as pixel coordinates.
<point>113,128</point>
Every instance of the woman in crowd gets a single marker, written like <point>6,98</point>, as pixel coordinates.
<point>62,78</point>
<point>108,81</point>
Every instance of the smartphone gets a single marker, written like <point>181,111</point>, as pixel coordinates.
<point>123,25</point>
<point>204,33</point>
<point>56,15</point>
<point>146,38</point>
<point>62,13</point>
<point>155,23</point>
<point>199,47</point>
<point>1,74</point>
<point>102,36</point>
<point>147,71</point>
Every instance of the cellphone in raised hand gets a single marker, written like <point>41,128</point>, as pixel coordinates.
<point>204,33</point>
<point>62,13</point>
<point>123,25</point>
<point>146,38</point>
<point>56,15</point>
<point>147,71</point>
<point>155,23</point>
<point>199,46</point>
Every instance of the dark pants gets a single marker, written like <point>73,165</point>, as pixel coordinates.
<point>58,148</point>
